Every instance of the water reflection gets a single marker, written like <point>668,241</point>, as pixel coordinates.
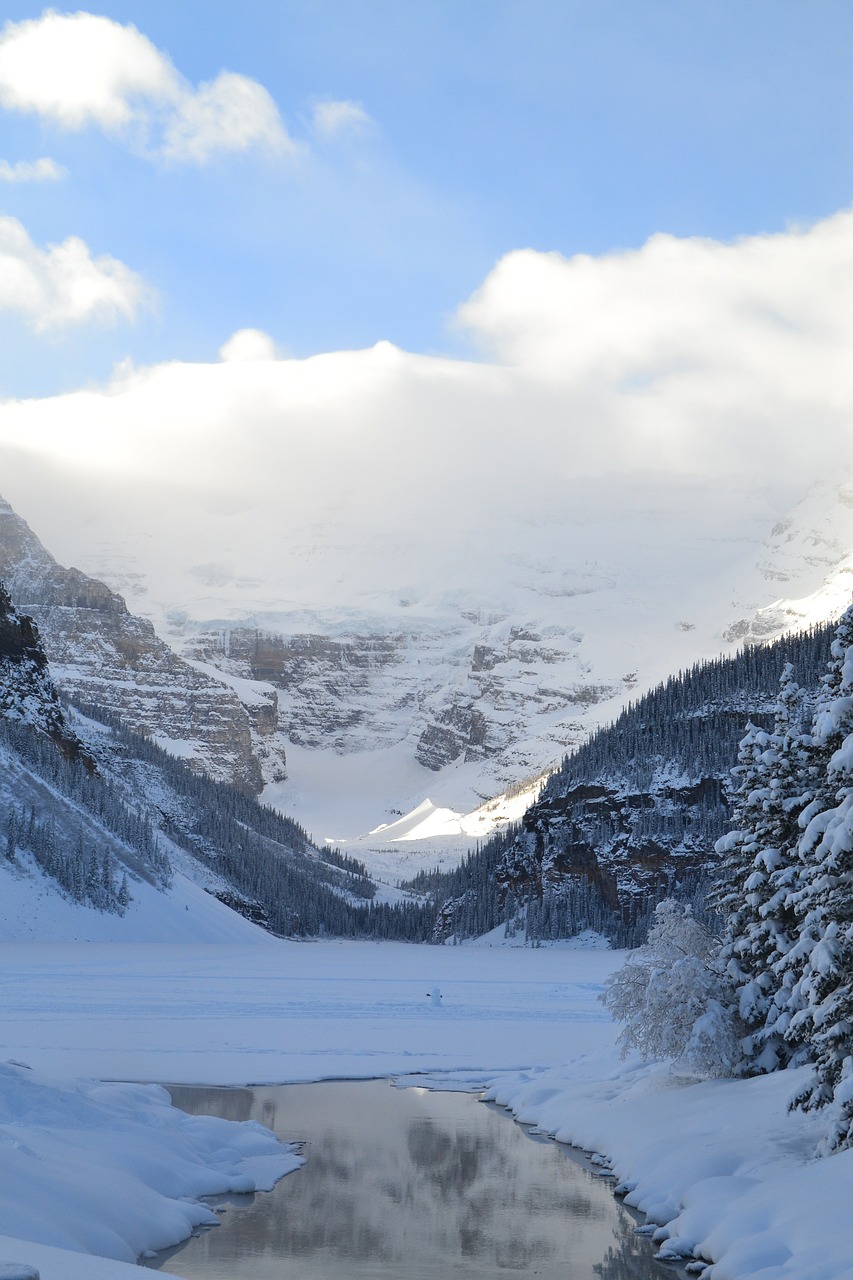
<point>411,1185</point>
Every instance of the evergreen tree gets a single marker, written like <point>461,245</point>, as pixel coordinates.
<point>824,900</point>
<point>756,875</point>
<point>736,850</point>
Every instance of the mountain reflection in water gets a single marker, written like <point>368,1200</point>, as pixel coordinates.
<point>403,1184</point>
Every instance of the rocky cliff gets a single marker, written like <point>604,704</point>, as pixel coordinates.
<point>474,692</point>
<point>635,813</point>
<point>631,846</point>
<point>27,692</point>
<point>101,653</point>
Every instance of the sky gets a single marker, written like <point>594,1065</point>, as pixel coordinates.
<point>351,306</point>
<point>334,173</point>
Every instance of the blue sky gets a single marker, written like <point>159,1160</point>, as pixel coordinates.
<point>471,129</point>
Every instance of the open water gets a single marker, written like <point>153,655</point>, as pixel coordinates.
<point>406,1184</point>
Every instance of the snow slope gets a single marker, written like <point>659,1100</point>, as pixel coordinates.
<point>32,909</point>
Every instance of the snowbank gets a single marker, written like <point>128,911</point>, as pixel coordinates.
<point>59,1264</point>
<point>114,1169</point>
<point>722,1165</point>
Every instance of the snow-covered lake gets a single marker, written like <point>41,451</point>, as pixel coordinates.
<point>88,1168</point>
<point>408,1184</point>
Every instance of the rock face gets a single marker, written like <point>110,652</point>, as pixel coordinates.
<point>102,654</point>
<point>507,688</point>
<point>474,692</point>
<point>27,693</point>
<point>631,846</point>
<point>329,692</point>
<point>637,811</point>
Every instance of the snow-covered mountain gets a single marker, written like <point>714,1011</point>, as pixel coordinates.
<point>378,712</point>
<point>810,550</point>
<point>27,692</point>
<point>107,836</point>
<point>101,653</point>
<point>222,842</point>
<point>634,815</point>
<point>423,599</point>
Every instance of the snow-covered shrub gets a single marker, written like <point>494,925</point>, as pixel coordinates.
<point>672,1001</point>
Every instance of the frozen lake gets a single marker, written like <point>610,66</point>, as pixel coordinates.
<point>405,1184</point>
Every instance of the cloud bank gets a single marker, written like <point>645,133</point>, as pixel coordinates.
<point>684,356</point>
<point>648,412</point>
<point>80,70</point>
<point>714,356</point>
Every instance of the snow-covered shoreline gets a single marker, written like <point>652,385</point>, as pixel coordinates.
<point>114,1169</point>
<point>722,1164</point>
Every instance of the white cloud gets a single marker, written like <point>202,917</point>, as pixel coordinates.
<point>231,113</point>
<point>331,118</point>
<point>81,69</point>
<point>63,284</point>
<point>706,352</point>
<point>247,345</point>
<point>646,413</point>
<point>681,356</point>
<point>42,170</point>
<point>673,307</point>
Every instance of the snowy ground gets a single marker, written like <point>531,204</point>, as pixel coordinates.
<point>721,1162</point>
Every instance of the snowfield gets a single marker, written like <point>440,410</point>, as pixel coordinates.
<point>722,1164</point>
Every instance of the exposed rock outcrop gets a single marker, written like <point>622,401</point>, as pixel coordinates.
<point>511,683</point>
<point>473,692</point>
<point>630,846</point>
<point>329,691</point>
<point>27,692</point>
<point>100,653</point>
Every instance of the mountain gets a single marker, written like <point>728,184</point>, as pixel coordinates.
<point>48,835</point>
<point>107,835</point>
<point>101,653</point>
<point>109,818</point>
<point>634,814</point>
<point>27,692</point>
<point>402,654</point>
<point>450,571</point>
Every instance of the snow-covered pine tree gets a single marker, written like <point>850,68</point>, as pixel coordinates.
<point>756,874</point>
<point>777,932</point>
<point>736,849</point>
<point>673,999</point>
<point>823,955</point>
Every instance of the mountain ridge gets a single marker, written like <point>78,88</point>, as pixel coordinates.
<point>102,653</point>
